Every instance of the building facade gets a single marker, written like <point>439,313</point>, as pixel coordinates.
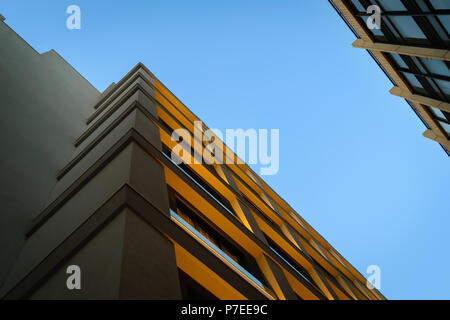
<point>137,224</point>
<point>411,45</point>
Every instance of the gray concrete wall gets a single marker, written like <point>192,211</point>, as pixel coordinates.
<point>127,259</point>
<point>105,164</point>
<point>100,262</point>
<point>44,104</point>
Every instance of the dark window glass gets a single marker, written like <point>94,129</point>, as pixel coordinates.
<point>414,82</point>
<point>207,187</point>
<point>165,126</point>
<point>445,126</point>
<point>440,4</point>
<point>238,255</point>
<point>192,290</point>
<point>280,252</point>
<point>438,114</point>
<point>190,217</point>
<point>407,27</point>
<point>359,7</point>
<point>438,67</point>
<point>392,5</point>
<point>224,202</point>
<point>445,20</point>
<point>398,60</point>
<point>329,276</point>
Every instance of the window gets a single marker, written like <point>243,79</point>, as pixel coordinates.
<point>391,28</point>
<point>428,77</point>
<point>445,20</point>
<point>437,23</point>
<point>283,255</point>
<point>419,65</point>
<point>444,86</point>
<point>189,216</point>
<point>440,4</point>
<point>415,22</point>
<point>237,257</point>
<point>202,183</point>
<point>443,118</point>
<point>392,5</point>
<point>407,27</point>
<point>358,6</point>
<point>398,60</point>
<point>445,126</point>
<point>207,187</point>
<point>412,79</point>
<point>165,126</point>
<point>438,67</point>
<point>438,113</point>
<point>423,6</point>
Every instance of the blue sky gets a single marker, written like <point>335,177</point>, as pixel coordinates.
<point>353,161</point>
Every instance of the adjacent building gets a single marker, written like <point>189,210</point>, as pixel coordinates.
<point>411,45</point>
<point>88,181</point>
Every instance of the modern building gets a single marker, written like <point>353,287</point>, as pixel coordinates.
<point>411,45</point>
<point>88,180</point>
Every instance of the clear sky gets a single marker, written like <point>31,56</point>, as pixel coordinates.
<point>353,161</point>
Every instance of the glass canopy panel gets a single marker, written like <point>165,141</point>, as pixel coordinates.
<point>422,5</point>
<point>407,27</point>
<point>419,65</point>
<point>445,20</point>
<point>445,126</point>
<point>437,26</point>
<point>433,85</point>
<point>392,5</point>
<point>438,113</point>
<point>398,60</point>
<point>436,67</point>
<point>412,80</point>
<point>444,85</point>
<point>441,4</point>
<point>386,21</point>
<point>358,6</point>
